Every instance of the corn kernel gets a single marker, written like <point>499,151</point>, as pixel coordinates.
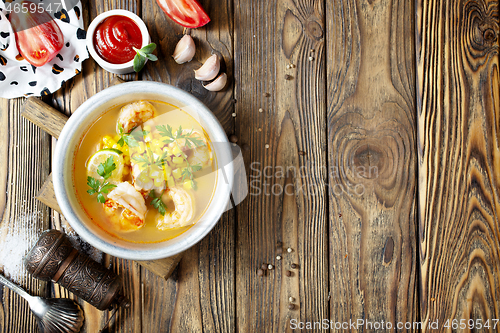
<point>116,137</point>
<point>158,182</point>
<point>177,173</point>
<point>177,160</point>
<point>144,178</point>
<point>176,150</point>
<point>155,174</point>
<point>188,185</point>
<point>157,151</point>
<point>147,128</point>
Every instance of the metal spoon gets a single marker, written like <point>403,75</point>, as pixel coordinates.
<point>54,315</point>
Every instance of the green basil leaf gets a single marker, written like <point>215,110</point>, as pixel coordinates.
<point>139,62</point>
<point>151,57</point>
<point>149,48</point>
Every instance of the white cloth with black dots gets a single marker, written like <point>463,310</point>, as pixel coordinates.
<point>19,78</point>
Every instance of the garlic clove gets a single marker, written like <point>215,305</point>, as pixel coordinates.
<point>184,50</point>
<point>218,84</point>
<point>209,70</point>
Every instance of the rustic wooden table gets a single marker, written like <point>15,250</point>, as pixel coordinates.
<point>408,90</point>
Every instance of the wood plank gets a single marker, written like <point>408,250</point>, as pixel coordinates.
<point>47,195</point>
<point>205,277</point>
<point>25,152</point>
<point>162,267</point>
<point>372,161</point>
<point>92,80</point>
<point>4,174</point>
<point>459,160</point>
<point>288,133</point>
<point>44,116</point>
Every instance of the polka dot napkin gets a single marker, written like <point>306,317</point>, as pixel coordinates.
<point>19,78</point>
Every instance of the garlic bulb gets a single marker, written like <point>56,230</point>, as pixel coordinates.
<point>218,84</point>
<point>185,50</point>
<point>209,70</point>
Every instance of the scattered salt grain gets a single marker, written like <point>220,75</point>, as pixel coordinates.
<point>17,237</point>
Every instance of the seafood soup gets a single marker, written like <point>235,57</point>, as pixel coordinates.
<point>144,172</point>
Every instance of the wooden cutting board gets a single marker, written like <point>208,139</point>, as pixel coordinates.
<point>53,121</point>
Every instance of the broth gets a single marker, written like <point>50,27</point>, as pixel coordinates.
<point>91,143</point>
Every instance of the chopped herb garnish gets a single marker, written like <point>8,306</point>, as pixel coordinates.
<point>169,136</point>
<point>129,138</point>
<point>188,173</point>
<point>191,140</point>
<point>148,160</point>
<point>104,170</point>
<point>158,203</point>
<point>143,160</point>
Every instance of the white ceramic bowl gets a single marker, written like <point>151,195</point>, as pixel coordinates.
<point>80,122</point>
<point>124,68</point>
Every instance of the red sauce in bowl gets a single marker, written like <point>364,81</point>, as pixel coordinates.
<point>114,38</point>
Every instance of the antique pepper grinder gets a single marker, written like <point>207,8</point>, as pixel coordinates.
<point>54,258</point>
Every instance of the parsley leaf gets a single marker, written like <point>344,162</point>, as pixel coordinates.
<point>158,203</point>
<point>106,187</point>
<point>101,198</point>
<point>104,170</point>
<point>169,136</point>
<point>143,160</point>
<point>127,138</point>
<point>130,141</point>
<point>166,132</point>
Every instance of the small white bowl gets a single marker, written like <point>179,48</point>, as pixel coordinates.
<point>124,68</point>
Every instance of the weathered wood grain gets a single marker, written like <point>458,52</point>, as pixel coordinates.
<point>273,43</point>
<point>205,278</point>
<point>44,116</point>
<point>459,160</point>
<point>372,160</point>
<point>47,195</point>
<point>162,267</point>
<point>92,80</point>
<point>4,153</point>
<point>25,153</point>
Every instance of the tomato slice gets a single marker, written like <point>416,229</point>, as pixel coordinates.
<point>187,13</point>
<point>38,37</point>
